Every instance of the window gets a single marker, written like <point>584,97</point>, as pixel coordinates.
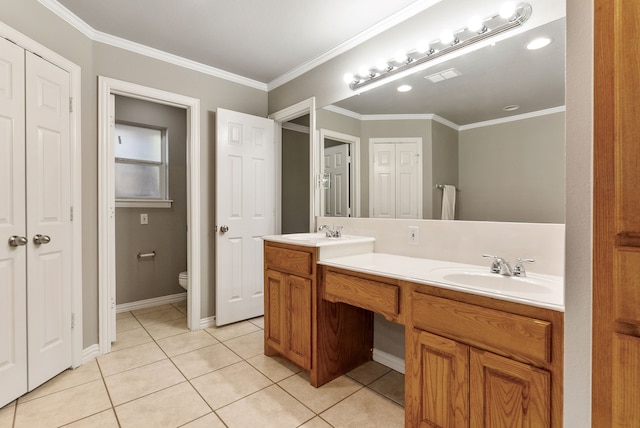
<point>141,173</point>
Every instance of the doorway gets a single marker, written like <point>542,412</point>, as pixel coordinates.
<point>306,107</point>
<point>328,139</point>
<point>107,90</point>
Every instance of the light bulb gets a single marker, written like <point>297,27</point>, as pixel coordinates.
<point>507,10</point>
<point>422,46</point>
<point>401,57</point>
<point>348,78</point>
<point>364,71</point>
<point>381,64</point>
<point>447,37</point>
<point>476,24</point>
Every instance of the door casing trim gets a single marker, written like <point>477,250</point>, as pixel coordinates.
<point>106,201</point>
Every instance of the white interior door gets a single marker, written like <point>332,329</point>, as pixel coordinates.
<point>245,211</point>
<point>336,164</point>
<point>13,259</point>
<point>396,189</point>
<point>48,215</point>
<point>407,195</point>
<point>384,180</point>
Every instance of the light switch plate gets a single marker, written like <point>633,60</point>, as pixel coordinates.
<point>144,218</point>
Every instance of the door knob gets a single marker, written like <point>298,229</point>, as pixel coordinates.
<point>17,241</point>
<point>41,239</point>
<point>224,229</point>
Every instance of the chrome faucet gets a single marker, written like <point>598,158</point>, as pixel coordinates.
<point>331,233</point>
<point>502,267</point>
<point>518,270</point>
<point>499,265</point>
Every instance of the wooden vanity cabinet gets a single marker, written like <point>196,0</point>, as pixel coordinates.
<point>289,280</point>
<point>469,364</point>
<point>324,338</point>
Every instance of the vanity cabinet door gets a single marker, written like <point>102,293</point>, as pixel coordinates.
<point>437,382</point>
<point>507,393</point>
<point>275,312</point>
<point>287,317</point>
<point>298,315</point>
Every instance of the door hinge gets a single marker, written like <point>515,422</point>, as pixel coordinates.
<point>70,213</point>
<point>73,321</point>
<point>70,104</point>
<point>348,159</point>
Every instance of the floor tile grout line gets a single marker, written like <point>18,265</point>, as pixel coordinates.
<point>106,388</point>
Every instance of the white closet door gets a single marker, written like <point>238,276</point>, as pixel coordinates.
<point>384,180</point>
<point>407,196</point>
<point>48,214</point>
<point>13,317</point>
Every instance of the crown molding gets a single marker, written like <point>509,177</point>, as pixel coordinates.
<point>295,127</point>
<point>100,37</point>
<point>515,118</point>
<point>380,27</point>
<point>442,120</point>
<point>343,112</point>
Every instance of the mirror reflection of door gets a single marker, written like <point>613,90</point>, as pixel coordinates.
<point>337,164</point>
<point>396,178</point>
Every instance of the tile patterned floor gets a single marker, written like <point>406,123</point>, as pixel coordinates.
<point>161,375</point>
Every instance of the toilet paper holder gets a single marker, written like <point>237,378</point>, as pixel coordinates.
<point>146,255</point>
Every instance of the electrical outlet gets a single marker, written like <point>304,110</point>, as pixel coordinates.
<point>144,218</point>
<point>413,234</point>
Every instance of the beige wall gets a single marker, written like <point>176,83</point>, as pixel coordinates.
<point>513,171</point>
<point>166,233</point>
<point>37,23</point>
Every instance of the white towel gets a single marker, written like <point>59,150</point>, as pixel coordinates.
<point>448,202</point>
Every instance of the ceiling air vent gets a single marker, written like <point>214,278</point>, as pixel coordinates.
<point>443,75</point>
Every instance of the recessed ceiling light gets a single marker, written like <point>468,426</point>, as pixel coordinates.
<point>538,43</point>
<point>512,107</point>
<point>404,88</point>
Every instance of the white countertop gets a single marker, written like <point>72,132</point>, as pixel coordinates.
<point>318,239</point>
<point>545,291</point>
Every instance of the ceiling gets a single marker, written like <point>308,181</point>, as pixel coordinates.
<point>257,39</point>
<point>271,42</point>
<point>491,78</point>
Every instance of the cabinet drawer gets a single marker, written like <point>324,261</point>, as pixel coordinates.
<point>367,294</point>
<point>497,331</point>
<point>287,260</point>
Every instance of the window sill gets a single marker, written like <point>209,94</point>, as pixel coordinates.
<point>144,203</point>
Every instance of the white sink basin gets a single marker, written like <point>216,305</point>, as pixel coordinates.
<point>482,278</point>
<point>328,247</point>
<point>309,236</point>
<point>318,239</point>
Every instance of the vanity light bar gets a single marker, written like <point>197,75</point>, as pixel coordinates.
<point>492,26</point>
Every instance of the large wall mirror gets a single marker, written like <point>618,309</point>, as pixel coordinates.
<point>490,122</point>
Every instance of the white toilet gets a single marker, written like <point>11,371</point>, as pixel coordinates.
<point>183,279</point>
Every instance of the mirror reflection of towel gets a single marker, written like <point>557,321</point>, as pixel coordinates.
<point>448,202</point>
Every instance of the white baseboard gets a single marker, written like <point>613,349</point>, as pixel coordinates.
<point>90,353</point>
<point>389,360</point>
<point>149,303</point>
<point>208,322</point>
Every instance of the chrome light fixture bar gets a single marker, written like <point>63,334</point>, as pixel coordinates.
<point>481,30</point>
